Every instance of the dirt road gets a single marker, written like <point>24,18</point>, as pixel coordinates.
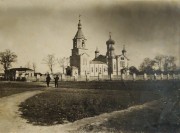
<point>11,122</point>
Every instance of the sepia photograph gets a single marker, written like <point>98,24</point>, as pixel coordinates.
<point>89,66</point>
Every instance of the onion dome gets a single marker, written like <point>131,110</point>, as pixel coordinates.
<point>97,51</point>
<point>79,25</point>
<point>110,41</point>
<point>111,48</point>
<point>124,50</point>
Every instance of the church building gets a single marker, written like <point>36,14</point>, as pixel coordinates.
<point>109,64</point>
<point>79,59</point>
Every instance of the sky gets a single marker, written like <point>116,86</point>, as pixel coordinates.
<point>33,29</point>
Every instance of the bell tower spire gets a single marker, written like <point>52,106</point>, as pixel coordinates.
<point>109,35</point>
<point>79,57</point>
<point>124,50</point>
<point>79,24</point>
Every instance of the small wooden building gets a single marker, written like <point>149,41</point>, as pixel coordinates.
<point>19,73</point>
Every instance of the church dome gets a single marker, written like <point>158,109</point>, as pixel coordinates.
<point>123,51</point>
<point>111,48</point>
<point>97,50</point>
<point>110,41</point>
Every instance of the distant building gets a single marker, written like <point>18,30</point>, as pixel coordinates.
<point>19,73</point>
<point>109,64</point>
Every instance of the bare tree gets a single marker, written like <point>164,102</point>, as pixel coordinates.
<point>50,61</point>
<point>63,62</point>
<point>34,66</point>
<point>7,58</point>
<point>159,59</point>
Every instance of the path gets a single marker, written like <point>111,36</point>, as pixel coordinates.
<point>11,122</point>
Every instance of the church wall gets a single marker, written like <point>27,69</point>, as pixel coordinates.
<point>84,64</point>
<point>75,61</point>
<point>98,69</point>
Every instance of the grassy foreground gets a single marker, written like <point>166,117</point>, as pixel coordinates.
<point>9,88</point>
<point>67,105</point>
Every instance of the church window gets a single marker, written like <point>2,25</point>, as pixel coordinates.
<point>104,69</point>
<point>100,70</point>
<point>92,69</point>
<point>122,64</point>
<point>122,58</point>
<point>96,69</point>
<point>114,66</point>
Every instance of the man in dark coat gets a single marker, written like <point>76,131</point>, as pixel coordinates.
<point>48,79</point>
<point>56,81</point>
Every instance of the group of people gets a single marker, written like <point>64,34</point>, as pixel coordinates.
<point>48,79</point>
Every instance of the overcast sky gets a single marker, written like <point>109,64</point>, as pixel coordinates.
<point>35,28</point>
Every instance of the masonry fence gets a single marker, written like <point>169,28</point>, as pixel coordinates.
<point>114,77</point>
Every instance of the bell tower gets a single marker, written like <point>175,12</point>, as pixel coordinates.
<point>79,51</point>
<point>110,55</point>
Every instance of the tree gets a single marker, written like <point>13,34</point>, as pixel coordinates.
<point>63,62</point>
<point>146,65</point>
<point>170,64</point>
<point>7,58</point>
<point>34,66</point>
<point>159,59</point>
<point>50,61</point>
<point>160,62</point>
<point>133,69</point>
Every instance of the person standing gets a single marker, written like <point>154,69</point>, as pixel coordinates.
<point>48,79</point>
<point>56,81</point>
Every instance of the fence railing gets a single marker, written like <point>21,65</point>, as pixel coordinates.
<point>114,77</point>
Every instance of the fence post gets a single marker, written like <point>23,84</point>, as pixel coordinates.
<point>87,77</point>
<point>162,76</point>
<point>173,76</point>
<point>122,76</point>
<point>134,76</point>
<point>145,76</point>
<point>155,76</point>
<point>168,76</point>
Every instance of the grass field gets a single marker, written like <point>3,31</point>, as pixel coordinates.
<point>77,100</point>
<point>9,88</point>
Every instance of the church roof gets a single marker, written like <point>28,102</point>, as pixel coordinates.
<point>110,41</point>
<point>20,69</point>
<point>79,33</point>
<point>96,62</point>
<point>101,58</point>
